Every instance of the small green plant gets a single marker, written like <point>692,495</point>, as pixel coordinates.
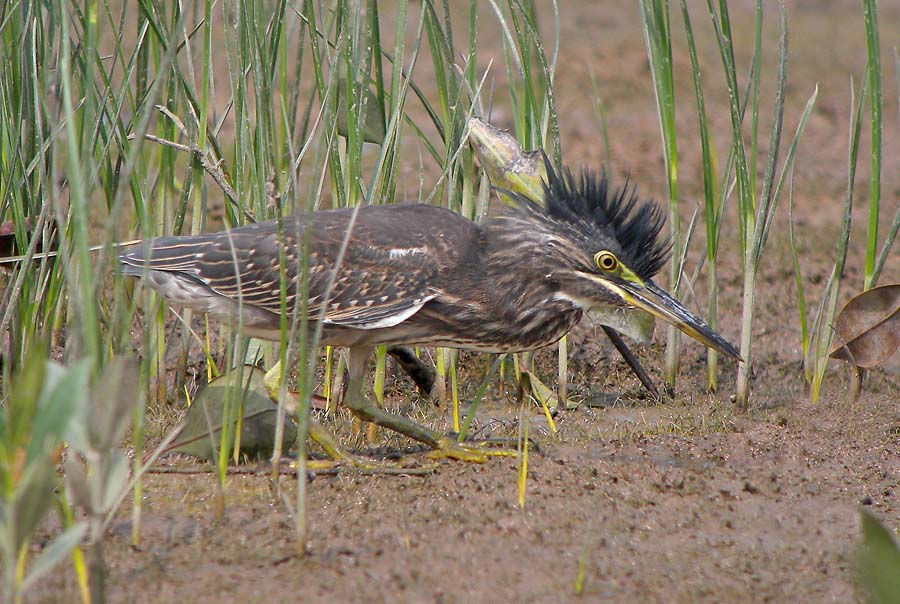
<point>97,472</point>
<point>817,341</point>
<point>41,403</point>
<point>757,217</point>
<point>756,204</point>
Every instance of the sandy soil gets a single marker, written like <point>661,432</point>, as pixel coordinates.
<point>687,501</point>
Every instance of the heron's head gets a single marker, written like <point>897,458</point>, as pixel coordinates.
<point>603,247</point>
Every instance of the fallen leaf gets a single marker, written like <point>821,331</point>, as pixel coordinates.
<point>204,419</point>
<point>868,327</point>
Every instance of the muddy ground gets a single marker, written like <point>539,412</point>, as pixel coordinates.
<point>688,501</point>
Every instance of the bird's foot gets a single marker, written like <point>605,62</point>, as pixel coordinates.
<point>321,465</point>
<point>450,448</point>
<point>338,455</point>
<point>340,458</point>
<point>362,465</point>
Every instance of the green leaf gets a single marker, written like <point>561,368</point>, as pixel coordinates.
<point>546,397</point>
<point>76,479</point>
<point>23,399</point>
<point>65,394</point>
<point>112,402</point>
<point>373,128</point>
<point>53,554</point>
<point>115,481</point>
<point>32,499</point>
<point>879,562</point>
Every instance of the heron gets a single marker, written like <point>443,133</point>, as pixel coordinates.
<point>417,274</point>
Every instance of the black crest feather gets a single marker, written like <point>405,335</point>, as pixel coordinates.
<point>587,203</point>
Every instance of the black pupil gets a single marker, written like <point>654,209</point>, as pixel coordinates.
<point>607,262</point>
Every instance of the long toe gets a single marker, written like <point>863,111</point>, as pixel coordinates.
<point>449,448</point>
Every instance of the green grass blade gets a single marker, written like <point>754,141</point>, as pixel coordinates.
<point>873,69</point>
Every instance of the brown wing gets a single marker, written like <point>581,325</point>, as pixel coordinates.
<point>391,266</point>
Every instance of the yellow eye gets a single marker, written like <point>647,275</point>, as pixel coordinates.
<point>606,261</point>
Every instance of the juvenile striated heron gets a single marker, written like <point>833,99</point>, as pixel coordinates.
<point>417,274</point>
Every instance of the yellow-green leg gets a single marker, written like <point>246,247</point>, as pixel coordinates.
<point>444,446</point>
<point>317,432</point>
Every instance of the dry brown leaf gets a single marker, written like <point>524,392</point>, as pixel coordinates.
<point>868,327</point>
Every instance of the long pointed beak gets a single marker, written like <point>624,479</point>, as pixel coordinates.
<point>659,303</point>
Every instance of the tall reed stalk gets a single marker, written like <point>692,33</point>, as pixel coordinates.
<point>658,39</point>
